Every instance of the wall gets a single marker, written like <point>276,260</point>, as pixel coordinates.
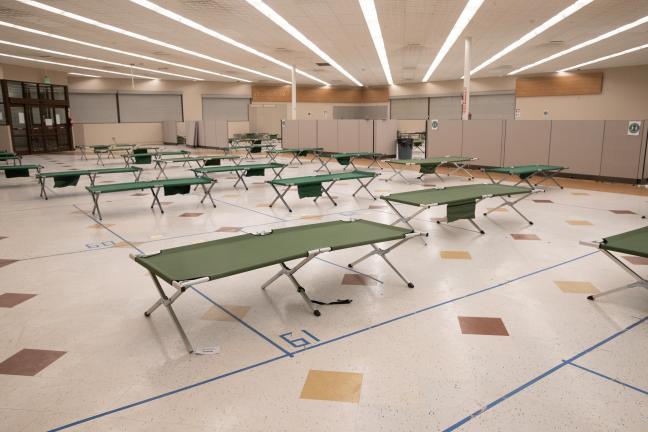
<point>624,96</point>
<point>453,88</point>
<point>127,133</point>
<point>20,73</point>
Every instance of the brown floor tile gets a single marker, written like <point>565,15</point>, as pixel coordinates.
<point>482,326</point>
<point>216,314</point>
<point>2,238</point>
<point>636,260</point>
<point>497,209</point>
<point>628,212</point>
<point>9,300</point>
<point>374,207</point>
<point>28,362</point>
<point>543,201</point>
<point>357,279</point>
<point>332,386</point>
<point>191,214</point>
<point>6,262</point>
<point>525,237</point>
<point>578,222</point>
<point>464,255</point>
<point>231,196</point>
<point>577,287</point>
<point>228,229</point>
<point>580,193</point>
<point>312,217</point>
<point>99,226</point>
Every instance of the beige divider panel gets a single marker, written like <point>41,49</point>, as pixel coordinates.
<point>385,136</point>
<point>577,144</point>
<point>365,135</point>
<point>307,133</point>
<point>348,135</point>
<point>621,152</point>
<point>290,134</point>
<point>645,150</point>
<point>327,135</point>
<point>483,139</point>
<point>527,142</point>
<point>445,140</point>
<point>212,133</point>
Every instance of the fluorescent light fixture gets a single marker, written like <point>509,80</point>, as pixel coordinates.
<point>73,66</point>
<point>607,57</point>
<point>4,42</point>
<point>213,33</point>
<point>114,50</point>
<point>371,17</point>
<point>468,13</point>
<point>287,27</point>
<point>604,36</point>
<point>575,7</point>
<point>138,36</point>
<point>83,75</point>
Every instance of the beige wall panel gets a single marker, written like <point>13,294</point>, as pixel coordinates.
<point>483,139</point>
<point>527,142</point>
<point>290,134</point>
<point>621,152</point>
<point>327,135</point>
<point>307,133</point>
<point>446,140</point>
<point>131,133</point>
<point>348,135</point>
<point>385,132</point>
<point>365,135</point>
<point>577,144</point>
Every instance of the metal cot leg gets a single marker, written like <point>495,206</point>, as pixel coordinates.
<point>640,282</point>
<point>280,196</point>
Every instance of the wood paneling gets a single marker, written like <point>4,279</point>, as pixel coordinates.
<point>262,93</point>
<point>560,85</point>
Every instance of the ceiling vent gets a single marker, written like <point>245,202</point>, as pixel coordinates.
<point>13,13</point>
<point>322,64</point>
<point>203,5</point>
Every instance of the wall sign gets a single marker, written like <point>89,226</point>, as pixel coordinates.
<point>634,127</point>
<point>434,124</point>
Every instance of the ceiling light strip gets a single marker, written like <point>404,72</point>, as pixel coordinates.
<point>565,13</point>
<point>74,66</point>
<point>466,16</point>
<point>4,42</point>
<point>371,18</point>
<point>584,44</point>
<point>83,75</point>
<point>607,57</point>
<point>114,50</point>
<point>286,26</point>
<point>138,36</point>
<point>217,35</point>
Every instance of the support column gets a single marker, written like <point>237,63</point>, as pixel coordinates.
<point>465,100</point>
<point>293,104</point>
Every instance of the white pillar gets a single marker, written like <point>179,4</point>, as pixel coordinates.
<point>293,104</point>
<point>465,100</point>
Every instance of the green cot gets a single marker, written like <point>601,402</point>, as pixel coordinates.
<point>16,159</point>
<point>524,172</point>
<point>12,171</point>
<point>295,152</point>
<point>241,171</point>
<point>430,166</point>
<point>311,186</point>
<point>346,159</point>
<point>71,178</point>
<point>252,148</point>
<point>185,266</point>
<point>201,161</point>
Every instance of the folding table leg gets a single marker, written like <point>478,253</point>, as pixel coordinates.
<point>167,302</point>
<point>364,185</point>
<point>289,273</point>
<point>640,282</point>
<point>280,196</point>
<point>155,192</point>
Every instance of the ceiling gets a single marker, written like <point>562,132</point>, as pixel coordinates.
<point>413,31</point>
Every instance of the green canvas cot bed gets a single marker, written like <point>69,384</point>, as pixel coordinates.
<point>174,153</point>
<point>525,172</point>
<point>346,159</point>
<point>634,243</point>
<point>201,161</point>
<point>16,159</point>
<point>71,178</point>
<point>295,152</point>
<point>100,151</point>
<point>140,156</point>
<point>430,165</point>
<point>460,200</point>
<point>12,171</point>
<point>185,266</point>
<point>170,186</point>
<point>311,186</point>
<point>252,148</point>
<point>241,171</point>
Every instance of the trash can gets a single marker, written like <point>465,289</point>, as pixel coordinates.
<point>405,148</point>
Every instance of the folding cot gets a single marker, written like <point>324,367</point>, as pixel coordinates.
<point>12,171</point>
<point>311,186</point>
<point>296,152</point>
<point>430,165</point>
<point>460,200</point>
<point>185,266</point>
<point>71,178</point>
<point>139,156</point>
<point>241,170</point>
<point>633,242</point>
<point>524,172</point>
<point>199,160</point>
<point>180,153</point>
<point>170,186</point>
<point>346,158</point>
<point>252,148</point>
<point>99,151</point>
<point>8,156</point>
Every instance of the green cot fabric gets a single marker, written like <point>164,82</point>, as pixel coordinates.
<point>19,172</point>
<point>454,194</point>
<point>323,178</point>
<point>255,172</point>
<point>524,171</point>
<point>229,256</point>
<point>633,242</point>
<point>123,187</point>
<point>344,160</point>
<point>255,149</point>
<point>461,211</point>
<point>64,181</point>
<point>230,168</point>
<point>428,168</point>
<point>212,162</point>
<point>309,190</point>
<point>302,153</point>
<point>142,158</point>
<point>89,171</point>
<point>177,190</point>
<point>140,151</point>
<point>428,161</point>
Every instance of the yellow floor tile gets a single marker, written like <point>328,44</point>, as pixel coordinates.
<point>332,386</point>
<point>216,314</point>
<point>448,254</point>
<point>577,287</point>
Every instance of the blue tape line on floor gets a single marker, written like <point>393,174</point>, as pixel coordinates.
<point>630,386</point>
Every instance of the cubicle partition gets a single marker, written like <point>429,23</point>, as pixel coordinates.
<point>604,148</point>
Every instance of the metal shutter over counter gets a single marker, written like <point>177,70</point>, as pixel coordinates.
<point>228,109</point>
<point>150,108</point>
<point>93,107</point>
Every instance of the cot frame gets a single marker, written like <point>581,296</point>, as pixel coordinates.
<point>36,167</point>
<point>325,190</point>
<point>374,156</point>
<point>91,175</point>
<point>182,286</point>
<point>546,174</point>
<point>274,153</point>
<point>248,149</point>
<point>240,174</point>
<point>161,164</point>
<point>458,166</point>
<point>14,158</point>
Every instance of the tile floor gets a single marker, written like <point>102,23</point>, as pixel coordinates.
<point>496,335</point>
